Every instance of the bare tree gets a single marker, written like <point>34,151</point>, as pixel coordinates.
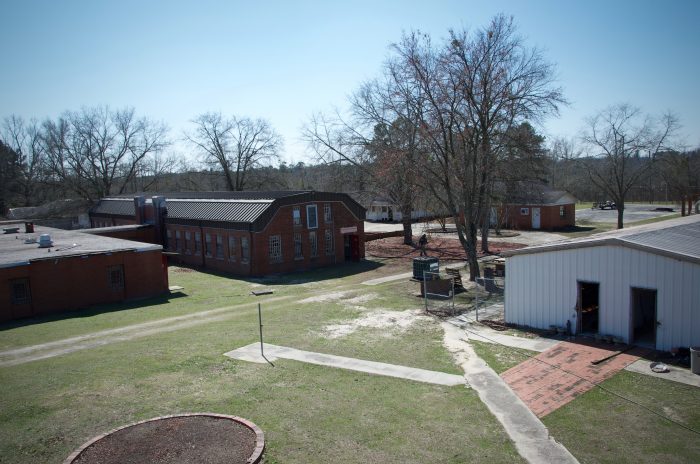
<point>468,93</point>
<point>95,152</point>
<point>25,140</point>
<point>622,147</point>
<point>235,145</point>
<point>681,173</point>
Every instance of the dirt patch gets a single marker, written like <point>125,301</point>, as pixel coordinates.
<point>397,321</point>
<point>181,270</point>
<point>325,298</point>
<point>447,249</point>
<point>174,440</point>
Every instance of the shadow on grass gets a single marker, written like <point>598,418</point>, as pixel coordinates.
<point>337,271</point>
<point>91,311</point>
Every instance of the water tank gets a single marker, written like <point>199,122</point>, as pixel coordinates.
<point>425,263</point>
<point>45,241</point>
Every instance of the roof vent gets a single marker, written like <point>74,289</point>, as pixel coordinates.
<point>45,241</point>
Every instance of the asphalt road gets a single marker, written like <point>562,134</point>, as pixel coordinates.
<point>633,213</point>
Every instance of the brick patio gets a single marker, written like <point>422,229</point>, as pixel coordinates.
<point>556,376</point>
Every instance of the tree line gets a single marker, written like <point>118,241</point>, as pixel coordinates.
<point>449,123</point>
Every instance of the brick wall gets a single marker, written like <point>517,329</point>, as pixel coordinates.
<point>282,226</point>
<point>550,218</point>
<point>70,283</point>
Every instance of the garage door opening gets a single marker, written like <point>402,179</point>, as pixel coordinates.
<point>644,316</point>
<point>588,307</point>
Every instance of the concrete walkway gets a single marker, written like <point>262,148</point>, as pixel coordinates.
<point>530,436</point>
<point>391,278</point>
<point>251,353</point>
<point>675,374</point>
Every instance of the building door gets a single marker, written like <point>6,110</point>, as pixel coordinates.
<point>643,318</point>
<point>588,307</point>
<point>535,218</point>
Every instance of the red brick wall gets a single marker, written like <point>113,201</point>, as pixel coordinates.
<point>550,218</point>
<point>282,224</point>
<point>71,283</point>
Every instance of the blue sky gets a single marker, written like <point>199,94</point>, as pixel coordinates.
<point>283,61</point>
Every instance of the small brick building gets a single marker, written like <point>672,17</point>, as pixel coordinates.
<point>77,270</point>
<point>246,233</point>
<point>539,208</point>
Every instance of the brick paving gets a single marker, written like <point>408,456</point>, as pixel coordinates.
<point>557,376</point>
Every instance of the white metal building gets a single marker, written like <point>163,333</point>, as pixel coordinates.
<point>641,284</point>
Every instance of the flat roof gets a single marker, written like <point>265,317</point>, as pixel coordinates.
<point>677,238</point>
<point>20,249</point>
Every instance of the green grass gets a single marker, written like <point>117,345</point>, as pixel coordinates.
<point>308,413</point>
<point>599,427</point>
<point>501,358</point>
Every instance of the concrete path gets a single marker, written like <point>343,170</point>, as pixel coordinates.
<point>676,374</point>
<point>530,436</point>
<point>251,353</point>
<point>47,350</point>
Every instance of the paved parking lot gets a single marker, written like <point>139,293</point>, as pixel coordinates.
<point>633,213</point>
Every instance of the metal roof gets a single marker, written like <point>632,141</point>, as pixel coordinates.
<point>237,210</point>
<point>676,238</point>
<point>115,206</point>
<point>20,249</point>
<point>217,210</point>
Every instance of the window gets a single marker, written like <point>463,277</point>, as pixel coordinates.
<point>207,244</point>
<point>219,247</point>
<point>197,242</point>
<point>168,242</point>
<point>115,277</point>
<point>328,240</point>
<point>275,248</point>
<point>311,217</point>
<point>562,211</point>
<point>231,248</point>
<point>296,215</point>
<point>245,250</point>
<point>20,291</point>
<point>313,242</point>
<point>524,211</point>
<point>188,239</point>
<point>327,215</point>
<point>177,240</point>
<point>298,252</point>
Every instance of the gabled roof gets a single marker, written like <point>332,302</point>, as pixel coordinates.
<point>534,193</point>
<point>238,210</point>
<point>676,238</point>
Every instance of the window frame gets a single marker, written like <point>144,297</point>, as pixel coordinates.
<point>327,213</point>
<point>309,215</point>
<point>188,240</point>
<point>232,248</point>
<point>274,252</point>
<point>219,247</point>
<point>296,216</point>
<point>245,250</point>
<point>298,246</point>
<point>198,242</point>
<point>207,245</point>
<point>22,299</point>
<point>329,242</point>
<point>117,285</point>
<point>524,211</point>
<point>313,244</point>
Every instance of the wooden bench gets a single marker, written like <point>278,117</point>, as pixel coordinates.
<point>456,277</point>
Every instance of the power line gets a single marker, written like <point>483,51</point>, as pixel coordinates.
<point>607,390</point>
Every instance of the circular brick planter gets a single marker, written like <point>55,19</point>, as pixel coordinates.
<point>169,439</point>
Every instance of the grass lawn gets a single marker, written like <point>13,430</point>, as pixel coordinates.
<point>600,427</point>
<point>308,413</point>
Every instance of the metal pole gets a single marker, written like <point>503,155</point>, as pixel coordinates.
<point>261,326</point>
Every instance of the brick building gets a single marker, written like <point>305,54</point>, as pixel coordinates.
<point>73,271</point>
<point>246,233</point>
<point>534,207</point>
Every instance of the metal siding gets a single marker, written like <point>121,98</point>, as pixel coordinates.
<point>541,290</point>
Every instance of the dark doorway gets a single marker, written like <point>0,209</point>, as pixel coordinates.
<point>588,307</point>
<point>391,214</point>
<point>347,248</point>
<point>644,316</point>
